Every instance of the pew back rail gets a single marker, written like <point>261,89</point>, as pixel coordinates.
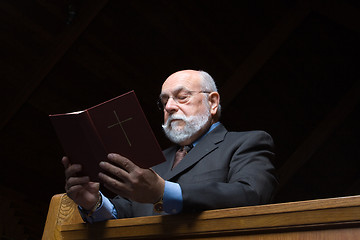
<point>335,218</point>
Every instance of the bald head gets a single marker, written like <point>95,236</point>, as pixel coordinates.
<point>201,78</point>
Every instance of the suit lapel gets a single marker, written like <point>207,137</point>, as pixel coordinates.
<point>163,168</point>
<point>203,148</point>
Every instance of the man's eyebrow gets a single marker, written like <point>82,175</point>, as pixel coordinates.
<point>176,91</point>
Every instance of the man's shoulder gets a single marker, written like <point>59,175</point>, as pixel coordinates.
<point>250,133</point>
<point>251,137</point>
<point>221,134</point>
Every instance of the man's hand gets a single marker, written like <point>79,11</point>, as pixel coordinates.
<point>130,181</point>
<point>80,189</point>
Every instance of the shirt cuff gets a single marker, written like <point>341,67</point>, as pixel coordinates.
<point>104,212</point>
<point>172,199</point>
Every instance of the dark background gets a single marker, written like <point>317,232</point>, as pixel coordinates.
<point>288,67</point>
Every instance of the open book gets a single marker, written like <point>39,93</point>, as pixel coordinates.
<point>115,126</point>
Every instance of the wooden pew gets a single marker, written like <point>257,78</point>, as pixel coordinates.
<point>335,218</point>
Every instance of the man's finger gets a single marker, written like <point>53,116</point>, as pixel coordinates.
<point>78,181</point>
<point>66,162</point>
<point>114,185</point>
<point>116,171</point>
<point>72,170</point>
<point>122,162</point>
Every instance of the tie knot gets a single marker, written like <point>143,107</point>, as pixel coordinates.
<point>187,148</point>
<point>180,154</point>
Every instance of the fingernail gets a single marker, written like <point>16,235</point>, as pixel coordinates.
<point>113,155</point>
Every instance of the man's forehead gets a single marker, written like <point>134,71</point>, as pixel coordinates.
<point>181,81</point>
<point>173,91</point>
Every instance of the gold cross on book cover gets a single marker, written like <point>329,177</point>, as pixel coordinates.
<point>115,126</point>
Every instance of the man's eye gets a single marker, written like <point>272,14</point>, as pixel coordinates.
<point>182,97</point>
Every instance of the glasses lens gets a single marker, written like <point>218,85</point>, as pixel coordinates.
<point>182,97</point>
<point>160,105</point>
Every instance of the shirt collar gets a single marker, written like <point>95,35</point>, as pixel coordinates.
<point>213,126</point>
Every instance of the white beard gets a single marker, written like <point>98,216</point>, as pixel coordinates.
<point>193,124</point>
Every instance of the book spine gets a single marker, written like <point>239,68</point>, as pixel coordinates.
<point>95,151</point>
<point>96,132</point>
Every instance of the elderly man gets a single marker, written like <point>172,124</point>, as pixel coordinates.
<point>208,168</point>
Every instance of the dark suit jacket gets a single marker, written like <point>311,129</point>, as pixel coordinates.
<point>225,169</point>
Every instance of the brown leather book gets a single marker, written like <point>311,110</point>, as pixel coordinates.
<point>115,126</point>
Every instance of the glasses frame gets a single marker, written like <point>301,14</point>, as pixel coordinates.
<point>162,106</point>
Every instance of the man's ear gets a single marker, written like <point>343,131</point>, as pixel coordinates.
<point>214,101</point>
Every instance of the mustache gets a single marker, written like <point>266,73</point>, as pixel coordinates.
<point>174,117</point>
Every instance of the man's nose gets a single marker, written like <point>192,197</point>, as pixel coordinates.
<point>171,105</point>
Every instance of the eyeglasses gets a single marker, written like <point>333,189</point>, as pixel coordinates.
<point>180,98</point>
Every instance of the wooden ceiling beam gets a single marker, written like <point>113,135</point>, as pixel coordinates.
<point>14,14</point>
<point>159,25</point>
<point>342,13</point>
<point>181,15</point>
<point>262,53</point>
<point>320,134</point>
<point>88,12</point>
<point>348,16</point>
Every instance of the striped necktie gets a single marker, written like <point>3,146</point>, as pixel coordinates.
<point>180,154</point>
